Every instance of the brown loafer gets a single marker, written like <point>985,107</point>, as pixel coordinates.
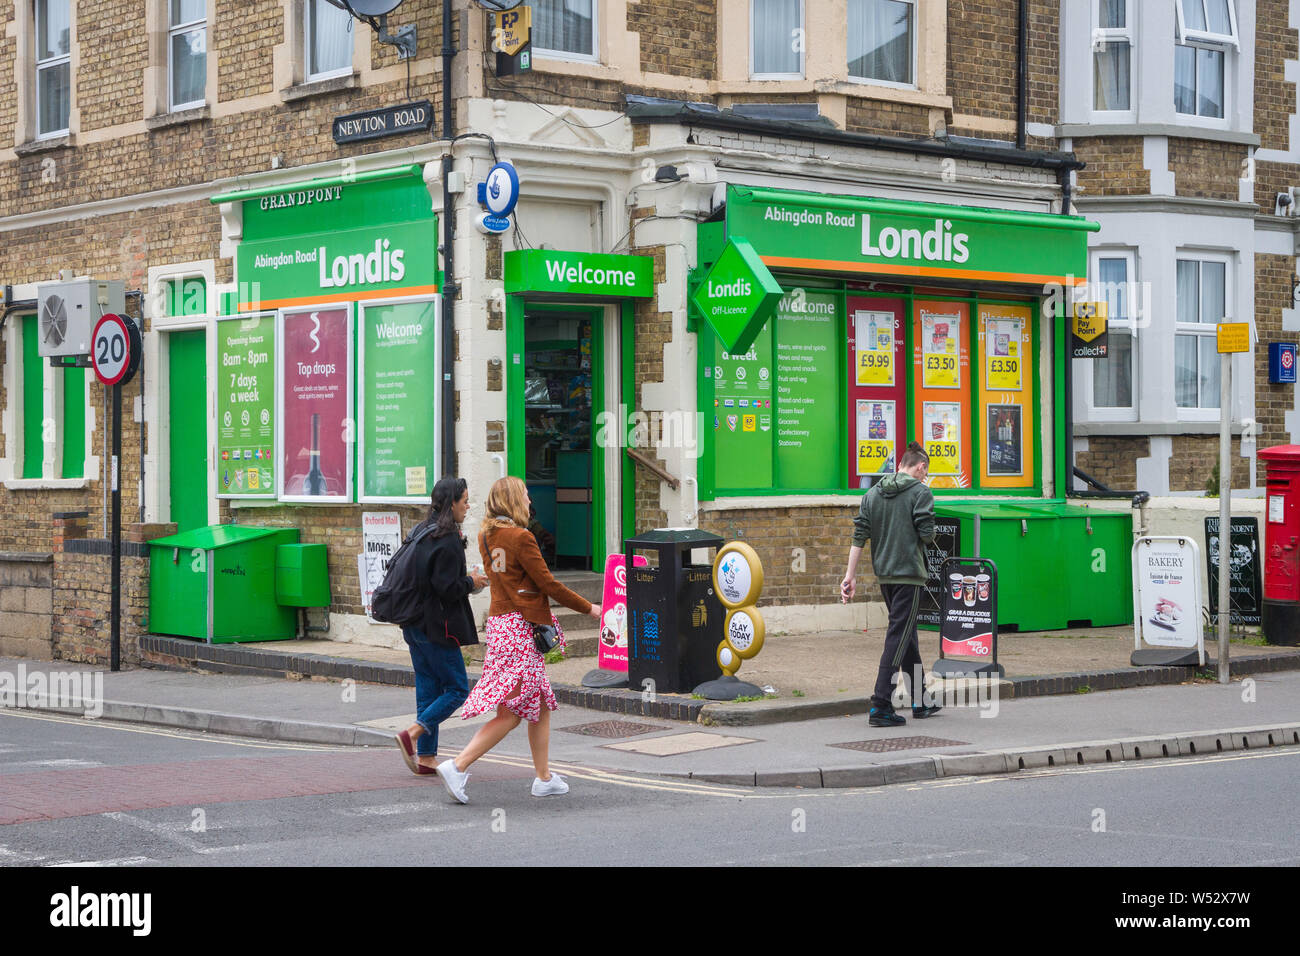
<point>408,751</point>
<point>422,770</point>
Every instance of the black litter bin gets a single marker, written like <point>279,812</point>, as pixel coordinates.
<point>674,618</point>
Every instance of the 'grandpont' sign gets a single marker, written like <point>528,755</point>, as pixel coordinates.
<point>795,230</point>
<point>579,273</point>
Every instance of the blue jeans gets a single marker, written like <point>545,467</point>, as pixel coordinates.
<point>441,685</point>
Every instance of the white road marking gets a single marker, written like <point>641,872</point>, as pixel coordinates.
<point>15,857</point>
<point>202,737</point>
<point>445,828</point>
<point>120,861</point>
<point>386,810</point>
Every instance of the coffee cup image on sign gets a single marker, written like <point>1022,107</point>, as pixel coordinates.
<point>955,585</point>
<point>982,586</point>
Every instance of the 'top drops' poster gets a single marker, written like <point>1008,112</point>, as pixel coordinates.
<point>315,452</point>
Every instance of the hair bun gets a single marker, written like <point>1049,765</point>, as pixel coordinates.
<point>915,446</point>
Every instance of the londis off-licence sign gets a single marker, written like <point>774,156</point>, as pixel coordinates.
<point>794,230</point>
<point>738,295</point>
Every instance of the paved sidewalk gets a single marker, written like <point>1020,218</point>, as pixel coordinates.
<point>989,736</point>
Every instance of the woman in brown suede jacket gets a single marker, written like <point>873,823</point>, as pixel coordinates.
<point>514,675</point>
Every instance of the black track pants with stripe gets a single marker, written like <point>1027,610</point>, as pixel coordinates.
<point>902,646</point>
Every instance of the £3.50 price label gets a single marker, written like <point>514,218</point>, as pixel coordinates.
<point>945,457</point>
<point>941,371</point>
<point>874,456</point>
<point>1004,374</point>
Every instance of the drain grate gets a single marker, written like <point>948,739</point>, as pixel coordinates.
<point>889,744</point>
<point>612,728</point>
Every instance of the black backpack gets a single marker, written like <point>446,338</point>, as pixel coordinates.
<point>400,599</point>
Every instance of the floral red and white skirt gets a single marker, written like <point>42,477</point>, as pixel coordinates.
<point>512,659</point>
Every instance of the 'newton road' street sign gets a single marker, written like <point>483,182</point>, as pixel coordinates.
<point>389,121</point>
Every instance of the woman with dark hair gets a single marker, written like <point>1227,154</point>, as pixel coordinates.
<point>441,684</point>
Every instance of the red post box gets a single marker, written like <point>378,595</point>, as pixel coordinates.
<point>1281,611</point>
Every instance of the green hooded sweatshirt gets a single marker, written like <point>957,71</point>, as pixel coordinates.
<point>897,514</point>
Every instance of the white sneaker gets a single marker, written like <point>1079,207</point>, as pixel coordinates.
<point>454,780</point>
<point>549,788</point>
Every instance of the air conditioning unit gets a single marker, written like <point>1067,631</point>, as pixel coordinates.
<point>67,313</point>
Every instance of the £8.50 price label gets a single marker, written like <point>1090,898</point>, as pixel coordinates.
<point>941,371</point>
<point>944,457</point>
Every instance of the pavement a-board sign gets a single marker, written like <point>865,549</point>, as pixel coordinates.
<point>947,543</point>
<point>1167,602</point>
<point>968,629</point>
<point>1244,591</point>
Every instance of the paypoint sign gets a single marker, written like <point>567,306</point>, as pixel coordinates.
<point>737,295</point>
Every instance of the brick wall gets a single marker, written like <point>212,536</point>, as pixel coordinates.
<point>981,36</point>
<point>677,38</point>
<point>1207,170</point>
<point>81,593</point>
<point>244,37</point>
<point>651,331</point>
<point>1044,64</point>
<point>1275,97</point>
<point>1113,460</point>
<point>887,119</point>
<point>804,550</point>
<point>25,605</point>
<point>1194,458</point>
<point>106,93</point>
<point>1274,276</point>
<point>1114,166</point>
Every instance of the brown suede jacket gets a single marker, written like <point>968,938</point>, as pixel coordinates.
<point>519,577</point>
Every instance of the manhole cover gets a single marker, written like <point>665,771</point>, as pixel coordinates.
<point>888,744</point>
<point>612,728</point>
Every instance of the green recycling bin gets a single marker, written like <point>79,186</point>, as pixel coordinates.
<point>1059,565</point>
<point>218,584</point>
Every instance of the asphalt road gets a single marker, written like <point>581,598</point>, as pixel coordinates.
<point>76,792</point>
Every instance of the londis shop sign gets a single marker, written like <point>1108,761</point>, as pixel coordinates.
<point>374,263</point>
<point>795,230</point>
<point>737,295</point>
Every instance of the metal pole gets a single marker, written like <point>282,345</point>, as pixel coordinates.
<point>115,647</point>
<point>1225,506</point>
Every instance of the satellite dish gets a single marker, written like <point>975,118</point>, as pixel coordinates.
<point>500,5</point>
<point>372,8</point>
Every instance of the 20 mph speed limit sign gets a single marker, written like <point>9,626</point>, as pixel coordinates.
<point>115,349</point>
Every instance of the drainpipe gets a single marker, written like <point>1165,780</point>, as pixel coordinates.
<point>1022,72</point>
<point>450,291</point>
<point>1063,177</point>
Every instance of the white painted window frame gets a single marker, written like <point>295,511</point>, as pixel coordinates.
<point>1128,326</point>
<point>308,20</point>
<point>173,30</point>
<point>1098,37</point>
<point>157,459</point>
<point>1201,329</point>
<point>51,63</point>
<point>916,42</point>
<point>803,53</point>
<point>569,56</point>
<point>1206,37</point>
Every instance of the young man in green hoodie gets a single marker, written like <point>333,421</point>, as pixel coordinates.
<point>897,514</point>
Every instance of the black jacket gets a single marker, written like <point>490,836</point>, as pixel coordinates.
<point>448,619</point>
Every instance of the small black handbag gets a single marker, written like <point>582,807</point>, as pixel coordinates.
<point>545,636</point>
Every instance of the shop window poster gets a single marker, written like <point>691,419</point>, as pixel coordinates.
<point>940,348</point>
<point>399,400</point>
<point>1005,437</point>
<point>246,406</point>
<point>876,440</point>
<point>316,425</point>
<point>1002,348</point>
<point>873,334</point>
<point>942,439</point>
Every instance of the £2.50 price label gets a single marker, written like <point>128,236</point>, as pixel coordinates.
<point>874,456</point>
<point>940,371</point>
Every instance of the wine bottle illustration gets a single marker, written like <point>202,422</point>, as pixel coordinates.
<point>314,483</point>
